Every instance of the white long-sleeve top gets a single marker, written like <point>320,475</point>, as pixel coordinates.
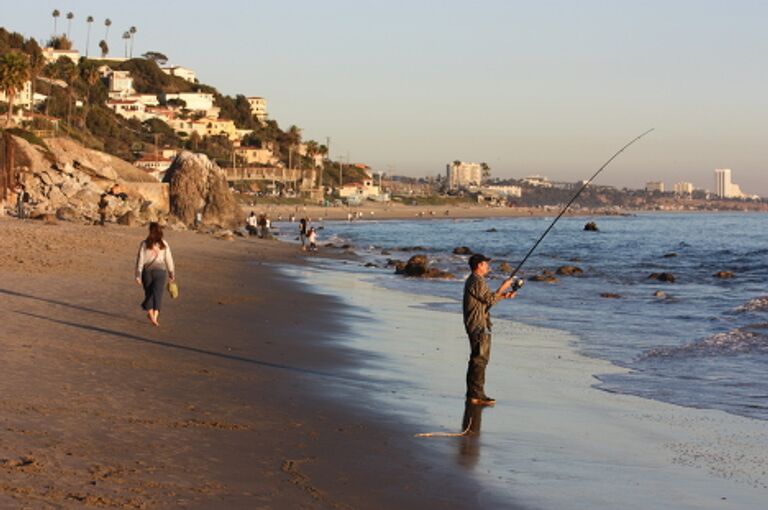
<point>154,258</point>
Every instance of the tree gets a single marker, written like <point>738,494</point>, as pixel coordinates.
<point>60,43</point>
<point>104,48</point>
<point>156,57</point>
<point>55,15</point>
<point>486,170</point>
<point>107,23</point>
<point>126,37</point>
<point>132,31</point>
<point>69,23</point>
<point>88,20</point>
<point>14,72</point>
<point>89,73</point>
<point>36,62</point>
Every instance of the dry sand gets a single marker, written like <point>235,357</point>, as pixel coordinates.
<point>227,405</point>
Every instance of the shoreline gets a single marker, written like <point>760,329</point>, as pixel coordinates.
<point>396,211</point>
<point>553,438</point>
<point>243,397</point>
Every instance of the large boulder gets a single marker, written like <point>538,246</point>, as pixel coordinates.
<point>662,277</point>
<point>198,184</point>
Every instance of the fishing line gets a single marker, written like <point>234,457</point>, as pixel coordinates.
<point>583,187</point>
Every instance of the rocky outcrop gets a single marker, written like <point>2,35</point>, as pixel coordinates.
<point>199,185</point>
<point>66,181</point>
<point>418,266</point>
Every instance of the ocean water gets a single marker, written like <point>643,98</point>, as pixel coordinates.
<point>702,343</point>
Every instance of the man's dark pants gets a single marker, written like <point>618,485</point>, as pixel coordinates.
<point>480,343</point>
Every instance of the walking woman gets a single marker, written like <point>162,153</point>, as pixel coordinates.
<point>154,264</point>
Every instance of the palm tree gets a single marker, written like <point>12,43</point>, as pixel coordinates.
<point>107,23</point>
<point>14,72</point>
<point>126,37</point>
<point>55,15</point>
<point>90,75</point>
<point>104,48</point>
<point>132,30</point>
<point>88,20</point>
<point>69,23</point>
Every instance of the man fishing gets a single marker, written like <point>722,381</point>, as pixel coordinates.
<point>478,300</point>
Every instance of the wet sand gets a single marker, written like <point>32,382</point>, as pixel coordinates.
<point>552,441</point>
<point>244,397</point>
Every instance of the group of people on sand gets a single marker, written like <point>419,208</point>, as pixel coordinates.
<point>260,225</point>
<point>307,235</point>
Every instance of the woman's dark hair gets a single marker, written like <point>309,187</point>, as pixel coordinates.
<point>155,236</point>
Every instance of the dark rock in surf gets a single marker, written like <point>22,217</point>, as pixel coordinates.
<point>591,227</point>
<point>670,255</point>
<point>418,266</point>
<point>505,267</point>
<point>610,295</point>
<point>662,277</point>
<point>546,276</point>
<point>462,250</point>
<point>723,274</point>
<point>569,270</point>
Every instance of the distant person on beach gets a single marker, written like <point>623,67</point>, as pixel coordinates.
<point>22,198</point>
<point>478,300</point>
<point>154,264</point>
<point>312,238</point>
<point>303,233</point>
<point>251,224</point>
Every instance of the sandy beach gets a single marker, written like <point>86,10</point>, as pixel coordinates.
<point>281,381</point>
<point>230,403</point>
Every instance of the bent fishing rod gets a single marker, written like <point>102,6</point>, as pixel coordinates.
<point>519,283</point>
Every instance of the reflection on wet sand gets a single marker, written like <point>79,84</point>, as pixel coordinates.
<point>469,446</point>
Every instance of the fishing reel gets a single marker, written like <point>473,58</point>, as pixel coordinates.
<point>517,284</point>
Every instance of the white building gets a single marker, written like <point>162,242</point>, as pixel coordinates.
<point>51,55</point>
<point>195,101</point>
<point>23,97</point>
<point>683,188</point>
<point>258,107</point>
<point>654,186</point>
<point>538,181</point>
<point>724,188</point>
<point>460,174</point>
<point>182,72</point>
<point>502,191</point>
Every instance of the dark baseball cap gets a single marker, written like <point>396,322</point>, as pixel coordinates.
<point>476,259</point>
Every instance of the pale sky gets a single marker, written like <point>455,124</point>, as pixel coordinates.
<point>537,87</point>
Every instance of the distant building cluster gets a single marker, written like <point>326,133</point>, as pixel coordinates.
<point>461,174</point>
<point>724,187</point>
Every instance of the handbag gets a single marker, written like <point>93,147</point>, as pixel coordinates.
<point>173,289</point>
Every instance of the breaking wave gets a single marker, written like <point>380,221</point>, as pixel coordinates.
<point>759,304</point>
<point>744,340</point>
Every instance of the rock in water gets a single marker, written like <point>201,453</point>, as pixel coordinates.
<point>569,270</point>
<point>462,250</point>
<point>723,274</point>
<point>662,277</point>
<point>591,226</point>
<point>197,184</point>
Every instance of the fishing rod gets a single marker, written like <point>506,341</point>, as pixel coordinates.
<point>519,283</point>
